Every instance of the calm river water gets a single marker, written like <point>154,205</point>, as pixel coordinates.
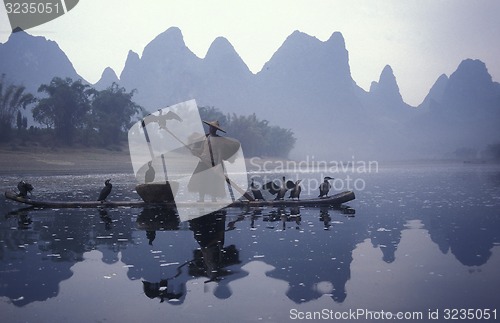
<point>418,241</point>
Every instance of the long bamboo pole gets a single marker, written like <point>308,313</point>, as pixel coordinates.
<point>232,183</point>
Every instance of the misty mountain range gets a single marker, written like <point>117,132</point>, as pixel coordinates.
<point>306,86</point>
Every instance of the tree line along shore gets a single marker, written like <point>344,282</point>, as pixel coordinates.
<point>70,113</point>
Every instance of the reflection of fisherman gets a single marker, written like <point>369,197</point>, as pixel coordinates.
<point>209,233</point>
<point>160,290</point>
<point>208,177</point>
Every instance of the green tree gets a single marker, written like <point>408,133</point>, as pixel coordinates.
<point>279,142</point>
<point>112,110</point>
<point>66,108</point>
<point>19,120</point>
<point>12,99</point>
<point>257,137</point>
<point>250,132</point>
<point>213,114</point>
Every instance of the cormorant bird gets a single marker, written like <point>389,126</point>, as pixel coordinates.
<point>273,187</point>
<point>295,192</point>
<point>24,188</point>
<point>150,173</point>
<point>279,188</point>
<point>257,194</point>
<point>325,187</point>
<point>105,191</point>
<point>162,118</point>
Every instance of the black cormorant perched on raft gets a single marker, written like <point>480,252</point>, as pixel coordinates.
<point>279,189</point>
<point>105,191</point>
<point>295,192</point>
<point>24,188</point>
<point>150,173</point>
<point>325,187</point>
<point>257,194</point>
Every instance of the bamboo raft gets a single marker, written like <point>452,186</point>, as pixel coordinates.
<point>333,200</point>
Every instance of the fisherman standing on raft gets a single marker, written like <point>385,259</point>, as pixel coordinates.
<point>209,176</point>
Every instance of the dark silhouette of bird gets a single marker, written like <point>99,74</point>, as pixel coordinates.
<point>272,187</point>
<point>280,189</point>
<point>295,192</point>
<point>105,191</point>
<point>257,194</point>
<point>150,173</point>
<point>325,187</point>
<point>161,119</point>
<point>24,188</point>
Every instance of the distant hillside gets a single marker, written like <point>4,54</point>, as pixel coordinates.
<point>32,61</point>
<point>462,111</point>
<point>306,85</point>
<point>108,77</point>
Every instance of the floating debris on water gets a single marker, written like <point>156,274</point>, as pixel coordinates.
<point>169,264</point>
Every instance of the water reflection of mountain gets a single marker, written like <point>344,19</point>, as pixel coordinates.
<point>212,247</point>
<point>305,256</point>
<point>467,236</point>
<point>457,205</point>
<point>462,215</point>
<point>36,257</point>
<point>181,252</point>
<point>385,233</point>
<point>310,248</point>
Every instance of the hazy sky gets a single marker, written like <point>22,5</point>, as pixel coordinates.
<point>420,39</point>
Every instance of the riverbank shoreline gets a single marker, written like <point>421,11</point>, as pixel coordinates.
<point>20,160</point>
<point>34,159</point>
<point>23,160</point>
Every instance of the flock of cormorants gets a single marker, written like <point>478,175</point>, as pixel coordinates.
<point>278,188</point>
